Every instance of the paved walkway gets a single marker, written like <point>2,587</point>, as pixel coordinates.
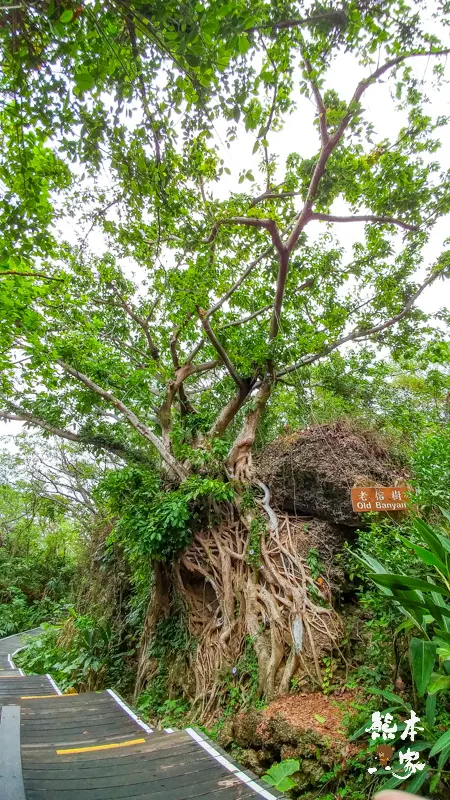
<point>92,746</point>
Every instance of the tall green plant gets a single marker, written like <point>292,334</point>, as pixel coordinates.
<point>426,606</point>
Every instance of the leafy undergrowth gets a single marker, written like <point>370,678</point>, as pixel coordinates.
<point>80,654</point>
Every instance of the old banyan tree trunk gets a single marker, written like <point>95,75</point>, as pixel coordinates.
<point>263,577</point>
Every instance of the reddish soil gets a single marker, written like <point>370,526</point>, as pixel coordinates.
<point>314,712</point>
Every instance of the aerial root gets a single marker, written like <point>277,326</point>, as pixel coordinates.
<point>230,603</point>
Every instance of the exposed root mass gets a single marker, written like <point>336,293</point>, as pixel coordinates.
<point>236,589</point>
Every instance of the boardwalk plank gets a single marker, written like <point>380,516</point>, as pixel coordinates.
<point>176,766</point>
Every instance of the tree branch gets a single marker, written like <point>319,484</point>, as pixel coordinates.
<point>362,333</point>
<point>134,421</point>
<point>138,319</point>
<point>273,196</point>
<point>118,449</point>
<point>321,111</point>
<point>333,140</point>
<point>242,320</point>
<point>366,82</point>
<point>4,272</point>
<point>220,349</point>
<point>327,16</point>
<point>366,218</point>
<point>269,224</point>
<point>229,411</point>
<point>279,295</point>
<point>23,416</point>
<point>243,277</point>
<point>239,282</point>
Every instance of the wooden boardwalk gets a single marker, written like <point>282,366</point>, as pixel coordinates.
<point>92,746</point>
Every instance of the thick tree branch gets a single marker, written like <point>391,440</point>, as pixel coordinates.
<point>229,411</point>
<point>174,341</point>
<point>23,416</point>
<point>364,333</point>
<point>174,386</point>
<point>366,218</point>
<point>138,319</point>
<point>240,456</point>
<point>134,421</point>
<point>95,441</point>
<point>279,295</point>
<point>220,349</point>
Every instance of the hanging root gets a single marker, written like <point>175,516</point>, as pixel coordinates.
<point>236,594</point>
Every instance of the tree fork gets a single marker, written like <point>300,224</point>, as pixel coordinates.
<point>240,456</point>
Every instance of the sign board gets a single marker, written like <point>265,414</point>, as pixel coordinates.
<point>379,498</point>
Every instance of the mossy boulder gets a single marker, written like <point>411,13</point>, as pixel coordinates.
<point>246,729</point>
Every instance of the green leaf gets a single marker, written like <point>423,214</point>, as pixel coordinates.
<point>392,783</point>
<point>319,718</point>
<point>423,657</point>
<point>393,698</point>
<point>279,774</point>
<point>431,538</point>
<point>445,513</point>
<point>434,782</point>
<point>244,44</point>
<point>444,755</point>
<point>442,742</point>
<point>406,625</point>
<point>438,684</point>
<point>66,16</point>
<point>84,81</point>
<point>439,601</point>
<point>418,780</point>
<point>427,557</point>
<point>430,710</point>
<point>407,582</point>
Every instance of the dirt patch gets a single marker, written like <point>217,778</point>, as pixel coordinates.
<point>313,712</point>
<point>312,472</point>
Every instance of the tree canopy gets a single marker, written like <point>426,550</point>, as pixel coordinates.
<point>147,309</point>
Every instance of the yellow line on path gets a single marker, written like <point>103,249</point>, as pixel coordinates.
<point>42,696</point>
<point>99,747</point>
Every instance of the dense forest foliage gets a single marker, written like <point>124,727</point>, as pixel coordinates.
<point>223,248</point>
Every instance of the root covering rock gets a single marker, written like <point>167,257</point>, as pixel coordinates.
<point>311,473</point>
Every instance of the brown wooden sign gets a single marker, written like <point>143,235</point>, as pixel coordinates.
<point>379,498</point>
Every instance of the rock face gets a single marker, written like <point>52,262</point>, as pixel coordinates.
<point>265,738</point>
<point>312,472</point>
